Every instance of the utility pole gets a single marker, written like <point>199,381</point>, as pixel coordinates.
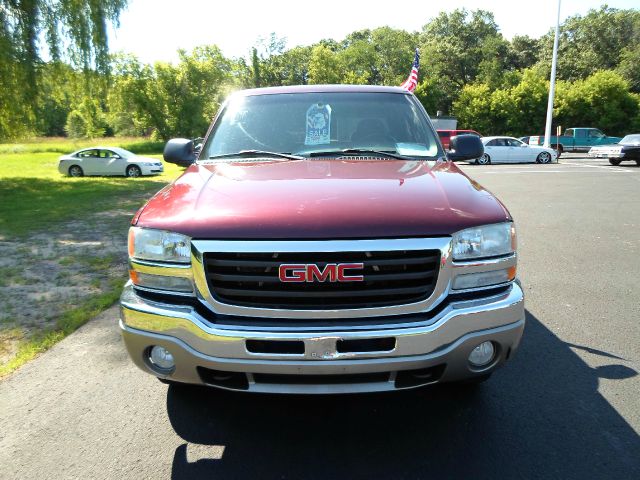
<point>552,86</point>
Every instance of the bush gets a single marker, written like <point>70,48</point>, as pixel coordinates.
<point>86,121</point>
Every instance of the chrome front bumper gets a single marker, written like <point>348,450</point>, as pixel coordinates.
<point>440,342</point>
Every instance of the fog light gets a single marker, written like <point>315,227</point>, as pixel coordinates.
<point>482,354</point>
<point>161,358</point>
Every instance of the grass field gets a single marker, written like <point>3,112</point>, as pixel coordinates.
<point>35,196</point>
<point>62,242</point>
<point>64,145</point>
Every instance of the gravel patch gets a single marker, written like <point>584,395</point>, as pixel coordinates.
<point>48,273</point>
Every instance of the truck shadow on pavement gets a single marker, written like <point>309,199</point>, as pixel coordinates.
<point>540,417</point>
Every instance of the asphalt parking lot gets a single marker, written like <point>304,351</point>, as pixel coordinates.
<point>567,406</point>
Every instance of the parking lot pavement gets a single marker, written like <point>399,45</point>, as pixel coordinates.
<point>567,406</point>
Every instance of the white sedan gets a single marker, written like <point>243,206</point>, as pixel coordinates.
<point>512,150</point>
<point>108,161</point>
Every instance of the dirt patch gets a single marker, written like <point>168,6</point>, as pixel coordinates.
<point>46,274</point>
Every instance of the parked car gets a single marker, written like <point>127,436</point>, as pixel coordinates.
<point>108,161</point>
<point>576,140</point>
<point>512,150</point>
<point>323,242</point>
<point>626,149</point>
<point>445,135</point>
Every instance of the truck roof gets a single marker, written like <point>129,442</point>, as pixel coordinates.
<point>321,89</point>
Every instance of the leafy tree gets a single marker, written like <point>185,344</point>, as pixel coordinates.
<point>592,42</point>
<point>473,108</point>
<point>629,66</point>
<point>86,121</point>
<point>524,52</point>
<point>24,25</point>
<point>512,110</point>
<point>325,66</point>
<point>456,44</point>
<point>603,100</point>
<point>431,93</point>
<point>171,100</point>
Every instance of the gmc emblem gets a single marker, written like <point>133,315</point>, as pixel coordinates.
<point>310,272</point>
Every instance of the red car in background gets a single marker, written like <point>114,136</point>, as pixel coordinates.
<point>445,135</point>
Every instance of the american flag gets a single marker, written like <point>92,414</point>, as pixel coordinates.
<point>412,81</point>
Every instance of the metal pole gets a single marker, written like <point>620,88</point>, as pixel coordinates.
<point>552,87</point>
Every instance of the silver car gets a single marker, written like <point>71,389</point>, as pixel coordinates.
<point>108,161</point>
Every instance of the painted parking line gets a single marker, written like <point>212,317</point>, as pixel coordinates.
<point>559,168</point>
<point>604,167</point>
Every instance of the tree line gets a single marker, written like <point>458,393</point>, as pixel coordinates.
<point>468,69</point>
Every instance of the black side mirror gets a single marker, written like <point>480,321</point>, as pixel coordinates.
<point>180,151</point>
<point>465,147</point>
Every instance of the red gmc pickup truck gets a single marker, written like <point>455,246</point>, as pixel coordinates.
<point>322,242</point>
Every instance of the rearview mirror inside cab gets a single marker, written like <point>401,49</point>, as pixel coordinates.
<point>465,147</point>
<point>180,151</point>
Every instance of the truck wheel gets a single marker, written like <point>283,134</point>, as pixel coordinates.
<point>75,171</point>
<point>484,160</point>
<point>133,171</point>
<point>543,157</point>
<point>559,151</point>
<point>614,161</point>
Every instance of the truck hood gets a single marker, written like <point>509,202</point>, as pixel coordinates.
<point>321,198</point>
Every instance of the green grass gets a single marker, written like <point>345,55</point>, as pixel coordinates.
<point>68,322</point>
<point>65,145</point>
<point>35,196</point>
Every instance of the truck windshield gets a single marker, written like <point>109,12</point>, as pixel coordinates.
<point>309,124</point>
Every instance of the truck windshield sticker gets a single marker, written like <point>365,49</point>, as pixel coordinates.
<point>318,131</point>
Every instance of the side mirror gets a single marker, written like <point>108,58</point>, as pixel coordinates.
<point>179,151</point>
<point>465,147</point>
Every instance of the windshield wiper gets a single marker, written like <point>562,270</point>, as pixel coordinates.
<point>257,153</point>
<point>355,151</point>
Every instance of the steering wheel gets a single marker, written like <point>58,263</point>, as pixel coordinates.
<point>381,139</point>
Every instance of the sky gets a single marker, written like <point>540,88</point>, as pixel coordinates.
<point>154,30</point>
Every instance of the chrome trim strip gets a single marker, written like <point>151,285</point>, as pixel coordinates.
<point>198,247</point>
<point>156,268</point>
<point>165,292</point>
<point>473,266</point>
<point>133,302</point>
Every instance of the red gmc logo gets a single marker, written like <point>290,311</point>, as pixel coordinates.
<point>310,272</point>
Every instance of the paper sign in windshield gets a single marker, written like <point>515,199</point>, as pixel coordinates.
<point>318,130</point>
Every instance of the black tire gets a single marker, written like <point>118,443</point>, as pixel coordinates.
<point>484,160</point>
<point>133,171</point>
<point>615,161</point>
<point>76,171</point>
<point>559,151</point>
<point>544,157</point>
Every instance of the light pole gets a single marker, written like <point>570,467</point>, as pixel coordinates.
<point>552,87</point>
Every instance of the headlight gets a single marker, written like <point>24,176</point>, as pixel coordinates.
<point>486,241</point>
<point>159,245</point>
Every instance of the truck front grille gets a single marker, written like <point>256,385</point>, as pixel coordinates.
<point>395,277</point>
